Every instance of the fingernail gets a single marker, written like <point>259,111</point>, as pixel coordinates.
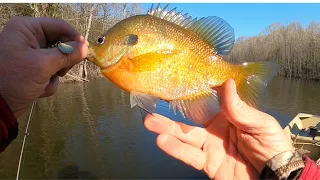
<point>150,121</point>
<point>65,48</point>
<point>153,123</point>
<point>162,141</point>
<point>81,38</point>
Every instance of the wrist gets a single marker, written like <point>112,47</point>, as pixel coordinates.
<point>17,112</point>
<point>8,125</point>
<point>10,105</point>
<point>285,164</point>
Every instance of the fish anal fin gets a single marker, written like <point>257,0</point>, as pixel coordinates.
<point>144,101</point>
<point>199,109</point>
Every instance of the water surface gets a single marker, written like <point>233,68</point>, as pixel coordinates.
<point>89,131</point>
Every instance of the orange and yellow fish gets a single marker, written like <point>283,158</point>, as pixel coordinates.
<point>164,55</point>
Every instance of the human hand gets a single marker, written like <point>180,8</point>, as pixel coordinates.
<point>29,69</point>
<point>235,144</point>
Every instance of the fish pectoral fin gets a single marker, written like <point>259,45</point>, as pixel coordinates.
<point>200,109</point>
<point>144,101</point>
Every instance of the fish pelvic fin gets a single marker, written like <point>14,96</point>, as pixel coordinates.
<point>212,29</point>
<point>257,76</point>
<point>146,102</point>
<point>199,109</point>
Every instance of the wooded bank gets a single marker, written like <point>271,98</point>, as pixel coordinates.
<point>295,48</point>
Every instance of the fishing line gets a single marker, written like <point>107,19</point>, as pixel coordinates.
<point>26,133</point>
<point>63,48</point>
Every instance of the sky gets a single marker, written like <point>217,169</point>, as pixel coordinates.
<point>248,19</point>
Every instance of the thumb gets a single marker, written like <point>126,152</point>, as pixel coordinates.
<point>57,60</point>
<point>241,114</point>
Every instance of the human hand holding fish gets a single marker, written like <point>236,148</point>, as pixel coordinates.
<point>235,144</point>
<point>29,69</point>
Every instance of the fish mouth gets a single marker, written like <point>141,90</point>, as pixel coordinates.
<point>103,62</point>
<point>91,55</point>
<point>117,58</point>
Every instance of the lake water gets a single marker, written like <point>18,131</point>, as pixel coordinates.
<point>89,131</point>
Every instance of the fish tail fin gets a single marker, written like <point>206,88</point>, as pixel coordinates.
<point>257,75</point>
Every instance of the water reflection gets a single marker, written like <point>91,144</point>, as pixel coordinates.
<point>73,172</point>
<point>288,97</point>
<point>89,131</point>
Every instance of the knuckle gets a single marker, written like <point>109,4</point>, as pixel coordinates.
<point>40,60</point>
<point>161,141</point>
<point>41,69</point>
<point>241,105</point>
<point>210,169</point>
<point>64,23</point>
<point>16,18</point>
<point>41,64</point>
<point>67,58</point>
<point>197,160</point>
<point>14,21</point>
<point>173,127</point>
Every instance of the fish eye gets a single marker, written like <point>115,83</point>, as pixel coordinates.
<point>100,40</point>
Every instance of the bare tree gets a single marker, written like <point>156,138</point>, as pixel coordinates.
<point>294,48</point>
<point>83,68</point>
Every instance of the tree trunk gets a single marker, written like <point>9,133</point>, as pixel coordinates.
<point>35,8</point>
<point>83,69</point>
<point>124,10</point>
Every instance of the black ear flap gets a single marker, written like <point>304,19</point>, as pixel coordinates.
<point>131,40</point>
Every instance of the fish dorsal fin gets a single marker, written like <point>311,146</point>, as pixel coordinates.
<point>214,30</point>
<point>178,18</point>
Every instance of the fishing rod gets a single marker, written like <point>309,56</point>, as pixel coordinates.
<point>26,133</point>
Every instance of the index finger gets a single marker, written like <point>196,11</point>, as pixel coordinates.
<point>192,135</point>
<point>56,29</point>
<point>186,153</point>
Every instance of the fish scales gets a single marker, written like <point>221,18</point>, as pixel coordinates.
<point>187,57</point>
<point>177,59</point>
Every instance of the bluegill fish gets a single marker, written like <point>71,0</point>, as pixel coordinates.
<point>164,55</point>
